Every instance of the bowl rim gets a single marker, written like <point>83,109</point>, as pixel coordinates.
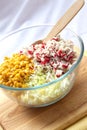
<point>53,81</point>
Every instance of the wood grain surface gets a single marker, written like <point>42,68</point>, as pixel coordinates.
<point>55,117</point>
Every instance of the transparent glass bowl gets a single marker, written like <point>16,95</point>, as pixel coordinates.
<point>48,93</point>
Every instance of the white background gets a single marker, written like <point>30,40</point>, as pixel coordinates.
<point>15,14</point>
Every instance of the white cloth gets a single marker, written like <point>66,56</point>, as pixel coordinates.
<point>15,14</point>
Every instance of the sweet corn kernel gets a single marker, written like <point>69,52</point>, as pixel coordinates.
<point>15,71</point>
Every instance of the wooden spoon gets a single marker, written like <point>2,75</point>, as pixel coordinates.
<point>64,20</point>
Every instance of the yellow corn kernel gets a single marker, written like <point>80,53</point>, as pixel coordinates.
<point>15,71</point>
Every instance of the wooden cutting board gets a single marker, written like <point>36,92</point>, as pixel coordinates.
<point>55,117</point>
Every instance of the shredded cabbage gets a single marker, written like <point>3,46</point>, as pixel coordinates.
<point>49,93</point>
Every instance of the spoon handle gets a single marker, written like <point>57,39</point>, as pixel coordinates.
<point>65,19</point>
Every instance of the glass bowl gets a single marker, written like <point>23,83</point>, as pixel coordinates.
<point>48,93</point>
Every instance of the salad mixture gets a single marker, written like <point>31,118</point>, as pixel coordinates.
<point>38,64</point>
